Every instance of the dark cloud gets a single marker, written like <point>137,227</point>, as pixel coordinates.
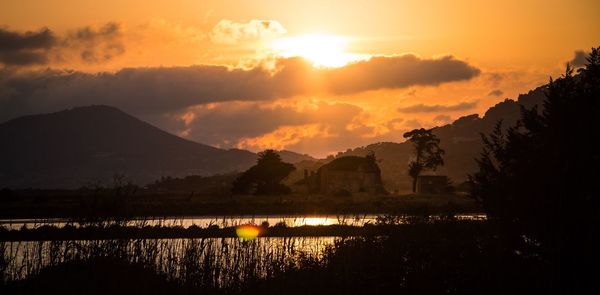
<point>109,30</point>
<point>35,48</point>
<point>26,48</point>
<point>163,90</point>
<point>13,41</point>
<point>224,124</point>
<point>398,72</point>
<point>424,108</point>
<point>496,92</point>
<point>142,90</point>
<point>97,45</point>
<point>22,58</point>
<point>580,59</point>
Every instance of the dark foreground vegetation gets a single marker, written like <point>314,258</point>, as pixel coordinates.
<point>458,257</point>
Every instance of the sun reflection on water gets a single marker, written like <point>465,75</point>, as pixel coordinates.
<point>314,221</point>
<point>247,232</point>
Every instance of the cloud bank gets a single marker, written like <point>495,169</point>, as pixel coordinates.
<point>399,72</point>
<point>163,90</point>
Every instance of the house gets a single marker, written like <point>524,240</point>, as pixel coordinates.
<point>432,184</point>
<point>347,175</point>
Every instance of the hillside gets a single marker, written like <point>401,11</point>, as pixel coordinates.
<point>90,144</point>
<point>461,140</point>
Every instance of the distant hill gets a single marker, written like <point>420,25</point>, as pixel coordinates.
<point>461,140</point>
<point>90,144</point>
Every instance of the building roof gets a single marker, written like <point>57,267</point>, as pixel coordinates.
<point>352,163</point>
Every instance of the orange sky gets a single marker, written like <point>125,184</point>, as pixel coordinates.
<point>513,45</point>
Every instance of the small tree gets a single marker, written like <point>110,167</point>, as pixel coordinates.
<point>428,154</point>
<point>265,177</point>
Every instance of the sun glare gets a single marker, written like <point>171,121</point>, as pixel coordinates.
<point>247,231</point>
<point>321,50</point>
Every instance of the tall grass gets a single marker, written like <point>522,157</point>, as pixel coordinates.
<point>439,256</point>
<point>213,263</point>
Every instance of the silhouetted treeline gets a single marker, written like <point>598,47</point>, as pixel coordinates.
<point>215,185</point>
<point>265,177</point>
<point>539,178</point>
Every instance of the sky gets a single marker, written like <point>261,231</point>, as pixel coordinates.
<point>315,77</point>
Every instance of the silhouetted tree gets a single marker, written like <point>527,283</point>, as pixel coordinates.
<point>428,154</point>
<point>539,178</point>
<point>265,177</point>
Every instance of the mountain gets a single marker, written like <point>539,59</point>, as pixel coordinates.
<point>86,145</point>
<point>461,140</point>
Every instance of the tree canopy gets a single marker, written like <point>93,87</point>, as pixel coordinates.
<point>428,154</point>
<point>539,178</point>
<point>265,177</point>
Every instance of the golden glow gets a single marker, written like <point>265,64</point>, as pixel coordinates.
<point>321,50</point>
<point>284,136</point>
<point>313,221</point>
<point>247,231</point>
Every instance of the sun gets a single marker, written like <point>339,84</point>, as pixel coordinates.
<point>321,50</point>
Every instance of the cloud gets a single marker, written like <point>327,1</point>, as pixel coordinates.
<point>284,136</point>
<point>424,108</point>
<point>169,89</point>
<point>43,47</point>
<point>224,124</point>
<point>231,32</point>
<point>580,59</point>
<point>442,119</point>
<point>96,44</point>
<point>26,48</point>
<point>398,72</point>
<point>88,33</point>
<point>496,92</point>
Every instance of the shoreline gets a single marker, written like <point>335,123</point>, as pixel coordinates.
<point>51,233</point>
<point>182,205</point>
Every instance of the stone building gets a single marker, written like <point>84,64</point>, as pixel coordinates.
<point>347,175</point>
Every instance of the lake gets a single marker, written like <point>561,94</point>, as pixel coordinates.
<point>227,221</point>
<point>227,260</point>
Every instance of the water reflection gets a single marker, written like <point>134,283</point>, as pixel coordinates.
<point>247,232</point>
<point>227,221</point>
